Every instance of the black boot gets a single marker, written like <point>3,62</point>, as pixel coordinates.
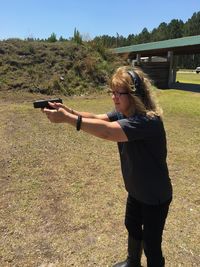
<point>134,254</point>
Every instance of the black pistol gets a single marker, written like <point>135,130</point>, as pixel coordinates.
<point>44,103</point>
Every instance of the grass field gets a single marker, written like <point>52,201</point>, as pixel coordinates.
<point>62,197</point>
<point>188,77</point>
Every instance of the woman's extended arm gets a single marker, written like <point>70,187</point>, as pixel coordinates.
<point>95,126</point>
<point>83,114</point>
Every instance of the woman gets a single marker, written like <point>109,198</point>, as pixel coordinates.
<point>136,125</point>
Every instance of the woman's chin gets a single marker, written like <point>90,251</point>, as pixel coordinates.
<point>117,107</point>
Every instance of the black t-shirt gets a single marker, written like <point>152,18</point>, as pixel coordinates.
<point>143,158</point>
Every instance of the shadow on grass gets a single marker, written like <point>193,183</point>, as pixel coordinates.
<point>186,87</point>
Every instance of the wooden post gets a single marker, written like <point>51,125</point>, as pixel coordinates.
<point>138,56</point>
<point>172,68</point>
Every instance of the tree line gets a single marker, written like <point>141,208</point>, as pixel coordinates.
<point>174,29</point>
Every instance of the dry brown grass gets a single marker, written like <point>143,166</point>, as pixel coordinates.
<point>62,197</point>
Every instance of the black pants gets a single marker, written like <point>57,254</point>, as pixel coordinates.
<point>146,223</point>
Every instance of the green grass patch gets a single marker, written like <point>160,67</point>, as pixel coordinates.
<point>181,103</point>
<point>188,77</point>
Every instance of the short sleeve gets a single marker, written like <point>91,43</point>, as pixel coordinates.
<point>113,116</point>
<point>137,128</point>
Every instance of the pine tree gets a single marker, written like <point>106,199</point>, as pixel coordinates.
<point>77,37</point>
<point>52,38</point>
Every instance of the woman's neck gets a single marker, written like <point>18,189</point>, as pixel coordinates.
<point>130,112</point>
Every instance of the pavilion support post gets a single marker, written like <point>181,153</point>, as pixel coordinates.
<point>172,69</point>
<point>138,57</point>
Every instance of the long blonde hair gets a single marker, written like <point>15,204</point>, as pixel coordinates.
<point>144,104</point>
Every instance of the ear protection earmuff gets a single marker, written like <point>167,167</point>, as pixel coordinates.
<point>136,82</point>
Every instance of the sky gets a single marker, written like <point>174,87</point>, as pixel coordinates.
<point>40,18</point>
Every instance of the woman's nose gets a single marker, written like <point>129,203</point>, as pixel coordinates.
<point>115,96</point>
